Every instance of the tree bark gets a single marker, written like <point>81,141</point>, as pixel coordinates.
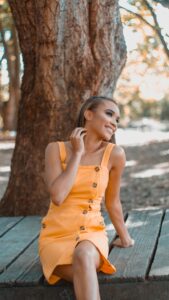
<point>71,50</point>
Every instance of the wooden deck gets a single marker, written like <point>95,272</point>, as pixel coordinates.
<point>142,270</point>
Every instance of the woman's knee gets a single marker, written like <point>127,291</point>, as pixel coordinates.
<point>86,255</point>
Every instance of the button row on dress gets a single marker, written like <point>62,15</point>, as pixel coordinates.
<point>89,201</point>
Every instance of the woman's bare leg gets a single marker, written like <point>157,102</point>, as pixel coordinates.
<point>82,273</point>
<point>86,260</point>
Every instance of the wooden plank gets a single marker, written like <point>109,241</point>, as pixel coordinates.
<point>132,263</point>
<point>32,276</point>
<point>23,269</point>
<point>17,240</point>
<point>156,290</point>
<point>160,266</point>
<point>140,290</point>
<point>38,293</point>
<point>6,223</point>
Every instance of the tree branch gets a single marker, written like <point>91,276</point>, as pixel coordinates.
<point>138,16</point>
<point>157,27</point>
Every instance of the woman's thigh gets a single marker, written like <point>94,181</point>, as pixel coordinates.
<point>66,271</point>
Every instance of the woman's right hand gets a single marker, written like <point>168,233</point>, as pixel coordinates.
<point>77,141</point>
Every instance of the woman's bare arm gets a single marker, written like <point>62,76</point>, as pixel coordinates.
<point>59,182</point>
<point>112,197</point>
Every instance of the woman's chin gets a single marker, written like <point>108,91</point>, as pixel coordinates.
<point>107,138</point>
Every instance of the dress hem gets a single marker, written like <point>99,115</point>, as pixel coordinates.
<point>105,266</point>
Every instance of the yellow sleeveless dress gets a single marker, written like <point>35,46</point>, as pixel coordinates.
<point>78,218</point>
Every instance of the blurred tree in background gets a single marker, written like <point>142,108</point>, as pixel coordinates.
<point>143,88</point>
<point>10,69</point>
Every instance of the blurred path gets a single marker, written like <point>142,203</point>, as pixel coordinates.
<point>6,151</point>
<point>146,176</point>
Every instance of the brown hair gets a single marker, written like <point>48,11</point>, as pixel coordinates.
<point>92,103</point>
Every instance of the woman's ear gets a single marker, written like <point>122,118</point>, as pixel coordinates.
<point>88,114</point>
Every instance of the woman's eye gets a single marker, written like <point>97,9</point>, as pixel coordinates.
<point>109,113</point>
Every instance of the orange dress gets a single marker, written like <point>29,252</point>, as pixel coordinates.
<point>77,218</point>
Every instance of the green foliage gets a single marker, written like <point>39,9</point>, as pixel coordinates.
<point>150,109</point>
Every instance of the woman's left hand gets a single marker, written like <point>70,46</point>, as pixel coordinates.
<point>118,243</point>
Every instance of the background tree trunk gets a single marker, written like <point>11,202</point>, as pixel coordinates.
<point>10,107</point>
<point>71,50</point>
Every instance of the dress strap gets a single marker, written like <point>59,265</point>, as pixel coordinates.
<point>62,151</point>
<point>106,154</point>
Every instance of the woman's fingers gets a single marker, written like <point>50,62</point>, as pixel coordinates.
<point>76,139</point>
<point>78,131</point>
<point>118,243</point>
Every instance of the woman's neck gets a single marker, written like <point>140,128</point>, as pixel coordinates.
<point>92,144</point>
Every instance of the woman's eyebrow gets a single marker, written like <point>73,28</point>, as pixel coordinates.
<point>108,109</point>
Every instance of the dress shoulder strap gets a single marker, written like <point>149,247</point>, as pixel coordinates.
<point>62,151</point>
<point>106,154</point>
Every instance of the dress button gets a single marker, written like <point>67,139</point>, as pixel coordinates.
<point>102,223</point>
<point>43,225</point>
<point>94,184</point>
<point>85,211</point>
<point>97,169</point>
<point>82,228</point>
<point>90,201</point>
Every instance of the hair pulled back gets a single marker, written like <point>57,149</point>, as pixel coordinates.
<point>90,104</point>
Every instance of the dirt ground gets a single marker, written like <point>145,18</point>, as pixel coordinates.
<point>146,178</point>
<point>145,181</point>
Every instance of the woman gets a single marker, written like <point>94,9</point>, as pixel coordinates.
<point>73,242</point>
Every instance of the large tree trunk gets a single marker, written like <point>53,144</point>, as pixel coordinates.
<point>71,50</point>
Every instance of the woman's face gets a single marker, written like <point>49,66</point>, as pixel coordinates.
<point>104,119</point>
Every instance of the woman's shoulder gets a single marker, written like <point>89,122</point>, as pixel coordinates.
<point>116,149</point>
<point>117,156</point>
<point>52,147</point>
